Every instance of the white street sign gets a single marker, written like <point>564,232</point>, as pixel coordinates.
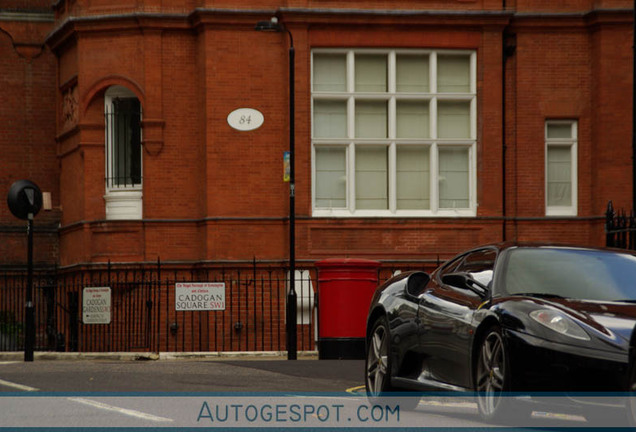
<point>96,305</point>
<point>199,296</point>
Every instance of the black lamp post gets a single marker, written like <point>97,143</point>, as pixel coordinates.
<point>25,201</point>
<point>291,320</point>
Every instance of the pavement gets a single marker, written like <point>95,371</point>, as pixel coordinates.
<point>135,356</point>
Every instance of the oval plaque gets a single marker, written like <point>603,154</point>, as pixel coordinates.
<point>245,119</point>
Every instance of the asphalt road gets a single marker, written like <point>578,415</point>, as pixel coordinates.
<point>184,375</point>
<point>188,393</point>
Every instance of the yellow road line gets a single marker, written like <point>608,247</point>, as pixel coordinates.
<point>355,390</point>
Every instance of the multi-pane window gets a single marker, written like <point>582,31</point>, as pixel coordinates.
<point>560,167</point>
<point>123,170</point>
<point>393,132</point>
<point>123,138</point>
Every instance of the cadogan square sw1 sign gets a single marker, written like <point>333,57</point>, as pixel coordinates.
<point>200,296</point>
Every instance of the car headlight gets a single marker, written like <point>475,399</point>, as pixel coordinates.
<point>559,323</point>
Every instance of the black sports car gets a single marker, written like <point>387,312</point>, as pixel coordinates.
<point>507,318</point>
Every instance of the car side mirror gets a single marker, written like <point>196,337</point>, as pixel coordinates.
<point>416,283</point>
<point>464,281</point>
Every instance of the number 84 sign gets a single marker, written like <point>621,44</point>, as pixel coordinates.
<point>245,119</point>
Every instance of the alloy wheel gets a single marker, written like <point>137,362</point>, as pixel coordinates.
<point>491,373</point>
<point>377,361</point>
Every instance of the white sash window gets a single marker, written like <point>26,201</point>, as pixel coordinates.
<point>561,167</point>
<point>123,197</point>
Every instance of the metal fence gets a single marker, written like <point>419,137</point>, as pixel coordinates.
<point>620,228</point>
<point>143,316</point>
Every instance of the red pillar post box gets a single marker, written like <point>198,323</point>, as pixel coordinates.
<point>345,289</point>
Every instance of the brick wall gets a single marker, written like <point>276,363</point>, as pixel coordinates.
<point>213,193</point>
<point>27,131</point>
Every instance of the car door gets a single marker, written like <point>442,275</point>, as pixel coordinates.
<point>446,317</point>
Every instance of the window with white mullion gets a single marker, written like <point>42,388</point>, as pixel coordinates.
<point>433,72</point>
<point>391,88</point>
<point>351,118</point>
<point>434,179</point>
<point>351,72</point>
<point>473,179</point>
<point>391,73</point>
<point>392,189</point>
<point>561,167</point>
<point>473,118</point>
<point>473,73</point>
<point>411,129</point>
<point>351,169</point>
<point>433,118</point>
<point>392,118</point>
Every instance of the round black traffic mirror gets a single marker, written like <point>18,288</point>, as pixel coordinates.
<point>24,198</point>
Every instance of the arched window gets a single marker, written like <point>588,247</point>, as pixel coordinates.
<point>123,169</point>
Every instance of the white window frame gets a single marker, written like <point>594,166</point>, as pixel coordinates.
<point>391,142</point>
<point>572,143</point>
<point>122,202</point>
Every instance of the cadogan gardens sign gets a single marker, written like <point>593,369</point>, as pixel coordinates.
<point>96,305</point>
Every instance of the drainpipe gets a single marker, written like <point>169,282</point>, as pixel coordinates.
<point>508,49</point>
<point>634,112</point>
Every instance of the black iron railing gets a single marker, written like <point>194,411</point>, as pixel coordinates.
<point>143,316</point>
<point>620,228</point>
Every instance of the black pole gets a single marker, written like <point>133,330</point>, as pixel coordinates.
<point>504,147</point>
<point>292,342</point>
<point>291,320</point>
<point>29,308</point>
<point>25,201</point>
<point>634,110</point>
<point>509,47</point>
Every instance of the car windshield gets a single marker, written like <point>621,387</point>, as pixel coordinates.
<point>581,274</point>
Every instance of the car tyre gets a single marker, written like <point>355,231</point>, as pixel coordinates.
<point>493,381</point>
<point>377,364</point>
<point>378,368</point>
<point>630,408</point>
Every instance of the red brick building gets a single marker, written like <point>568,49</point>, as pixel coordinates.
<point>422,127</point>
